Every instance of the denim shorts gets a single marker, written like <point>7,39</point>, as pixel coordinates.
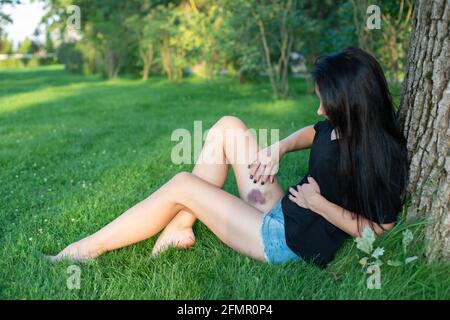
<point>276,250</point>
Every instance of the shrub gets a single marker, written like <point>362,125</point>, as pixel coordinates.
<point>71,57</point>
<point>11,64</point>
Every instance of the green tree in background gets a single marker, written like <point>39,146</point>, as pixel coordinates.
<point>6,46</point>
<point>248,39</point>
<point>26,46</point>
<point>389,43</point>
<point>49,45</point>
<point>105,31</point>
<point>276,23</point>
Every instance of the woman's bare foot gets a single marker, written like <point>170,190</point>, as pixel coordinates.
<point>81,251</point>
<point>174,236</point>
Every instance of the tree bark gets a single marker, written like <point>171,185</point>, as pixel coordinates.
<point>424,115</point>
<point>147,60</point>
<point>270,68</point>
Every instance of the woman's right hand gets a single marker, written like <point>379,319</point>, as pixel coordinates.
<point>264,166</point>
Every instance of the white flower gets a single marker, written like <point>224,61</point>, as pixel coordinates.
<point>378,252</point>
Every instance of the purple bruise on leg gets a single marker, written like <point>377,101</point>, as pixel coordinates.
<point>255,196</point>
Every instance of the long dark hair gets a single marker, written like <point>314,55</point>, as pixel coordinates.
<point>372,149</point>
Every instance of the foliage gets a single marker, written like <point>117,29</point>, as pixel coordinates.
<point>372,257</point>
<point>27,46</point>
<point>71,57</point>
<point>389,43</point>
<point>6,46</point>
<point>49,45</point>
<point>247,39</point>
<point>12,63</point>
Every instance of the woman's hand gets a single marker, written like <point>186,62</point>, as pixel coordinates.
<point>307,195</point>
<point>265,165</point>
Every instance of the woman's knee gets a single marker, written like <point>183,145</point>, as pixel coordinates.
<point>182,178</point>
<point>230,122</point>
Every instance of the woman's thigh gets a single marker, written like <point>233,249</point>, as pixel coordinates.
<point>240,148</point>
<point>232,220</point>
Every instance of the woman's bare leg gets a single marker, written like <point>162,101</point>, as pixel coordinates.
<point>234,221</point>
<point>179,231</point>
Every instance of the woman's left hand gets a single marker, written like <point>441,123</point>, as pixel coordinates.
<point>306,195</point>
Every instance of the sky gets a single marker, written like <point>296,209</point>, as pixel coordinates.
<point>26,17</point>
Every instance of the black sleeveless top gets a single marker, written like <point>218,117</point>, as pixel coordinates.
<point>308,234</point>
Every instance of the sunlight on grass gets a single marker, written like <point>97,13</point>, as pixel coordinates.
<point>47,95</point>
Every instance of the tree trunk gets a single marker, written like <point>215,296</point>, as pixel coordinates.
<point>270,68</point>
<point>359,14</point>
<point>147,60</point>
<point>112,64</point>
<point>424,114</point>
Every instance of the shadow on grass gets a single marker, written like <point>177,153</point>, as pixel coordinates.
<point>27,80</point>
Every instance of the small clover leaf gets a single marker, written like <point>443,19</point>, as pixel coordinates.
<point>410,259</point>
<point>394,263</point>
<point>363,261</point>
<point>365,242</point>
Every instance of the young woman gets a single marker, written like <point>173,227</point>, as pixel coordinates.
<point>357,173</point>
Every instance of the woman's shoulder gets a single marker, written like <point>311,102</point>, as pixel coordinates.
<point>323,125</point>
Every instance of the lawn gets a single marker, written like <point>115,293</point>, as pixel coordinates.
<point>77,151</point>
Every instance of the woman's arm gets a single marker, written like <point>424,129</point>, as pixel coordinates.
<point>266,163</point>
<point>300,139</point>
<point>344,219</point>
<point>308,196</point>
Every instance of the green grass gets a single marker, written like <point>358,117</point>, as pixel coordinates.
<point>77,151</point>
